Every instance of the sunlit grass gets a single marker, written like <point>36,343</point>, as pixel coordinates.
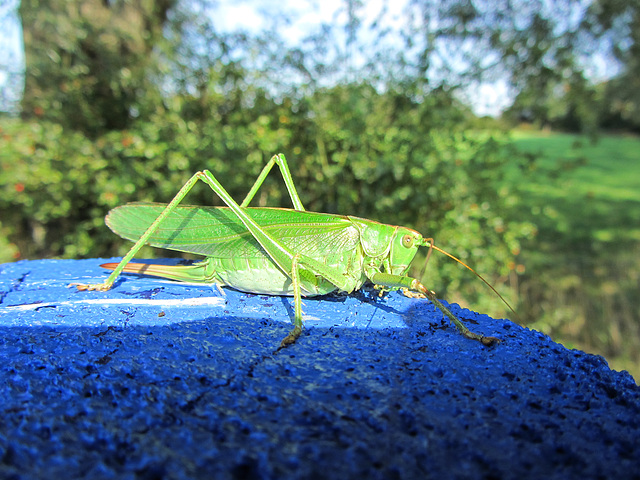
<point>583,269</point>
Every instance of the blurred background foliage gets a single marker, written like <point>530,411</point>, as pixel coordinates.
<point>125,100</point>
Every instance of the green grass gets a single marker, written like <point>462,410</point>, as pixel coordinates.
<point>583,267</point>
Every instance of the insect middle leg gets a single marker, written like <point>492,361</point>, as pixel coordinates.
<point>297,300</point>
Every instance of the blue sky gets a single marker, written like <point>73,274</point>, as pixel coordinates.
<point>11,56</point>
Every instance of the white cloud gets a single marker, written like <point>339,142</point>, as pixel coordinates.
<point>233,15</point>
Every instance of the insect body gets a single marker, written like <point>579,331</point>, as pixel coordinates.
<point>273,251</point>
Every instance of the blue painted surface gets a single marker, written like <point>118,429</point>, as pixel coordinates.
<point>161,380</point>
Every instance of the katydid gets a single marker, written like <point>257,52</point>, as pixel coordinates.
<point>274,251</point>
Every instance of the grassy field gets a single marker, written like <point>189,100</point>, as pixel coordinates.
<point>582,275</point>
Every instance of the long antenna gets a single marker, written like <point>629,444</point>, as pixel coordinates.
<point>432,246</point>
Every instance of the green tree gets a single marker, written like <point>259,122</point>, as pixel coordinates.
<point>89,64</point>
<point>616,22</point>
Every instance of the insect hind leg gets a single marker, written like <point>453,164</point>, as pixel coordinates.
<point>281,161</point>
<point>108,283</point>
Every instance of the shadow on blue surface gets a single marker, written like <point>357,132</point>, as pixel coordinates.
<point>158,380</point>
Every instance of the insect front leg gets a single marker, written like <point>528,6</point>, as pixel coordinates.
<point>413,284</point>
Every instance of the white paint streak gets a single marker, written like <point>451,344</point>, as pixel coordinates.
<point>185,302</point>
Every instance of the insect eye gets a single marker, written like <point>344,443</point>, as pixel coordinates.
<point>407,241</point>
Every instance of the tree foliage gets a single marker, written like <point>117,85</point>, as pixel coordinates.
<point>89,63</point>
<point>616,22</point>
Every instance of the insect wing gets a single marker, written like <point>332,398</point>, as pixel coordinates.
<point>218,232</point>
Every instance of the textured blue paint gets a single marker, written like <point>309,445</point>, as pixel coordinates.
<point>373,388</point>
